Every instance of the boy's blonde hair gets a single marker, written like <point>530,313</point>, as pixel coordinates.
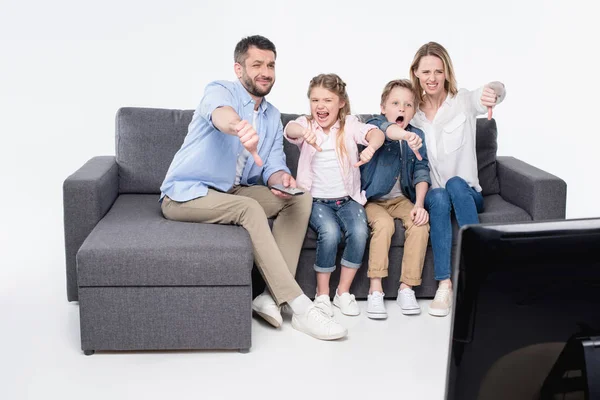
<point>437,50</point>
<point>334,84</point>
<point>391,85</point>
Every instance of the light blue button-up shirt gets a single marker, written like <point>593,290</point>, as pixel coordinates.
<point>208,156</point>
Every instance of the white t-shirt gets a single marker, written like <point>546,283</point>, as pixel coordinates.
<point>243,157</point>
<point>396,191</point>
<point>328,182</point>
<point>450,137</point>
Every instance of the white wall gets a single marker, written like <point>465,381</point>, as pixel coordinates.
<point>67,66</point>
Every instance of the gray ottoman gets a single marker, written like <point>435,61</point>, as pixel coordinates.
<point>148,283</point>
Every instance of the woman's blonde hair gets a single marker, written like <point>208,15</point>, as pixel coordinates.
<point>437,50</point>
<point>336,85</point>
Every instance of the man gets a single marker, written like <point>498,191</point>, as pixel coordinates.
<point>213,179</point>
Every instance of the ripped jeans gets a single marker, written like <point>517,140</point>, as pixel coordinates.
<point>331,217</point>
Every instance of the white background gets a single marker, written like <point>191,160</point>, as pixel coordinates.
<point>67,66</point>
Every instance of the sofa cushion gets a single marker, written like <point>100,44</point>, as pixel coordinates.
<point>292,152</point>
<point>486,147</point>
<point>498,210</point>
<point>146,141</point>
<point>148,138</point>
<point>134,245</point>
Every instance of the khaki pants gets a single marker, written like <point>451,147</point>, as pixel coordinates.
<point>276,252</point>
<point>380,215</point>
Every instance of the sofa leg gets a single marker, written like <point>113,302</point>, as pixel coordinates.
<point>244,351</point>
<point>89,352</point>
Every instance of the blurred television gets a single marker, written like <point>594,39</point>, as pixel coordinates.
<point>523,291</point>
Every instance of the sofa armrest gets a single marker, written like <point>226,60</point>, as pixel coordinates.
<point>541,194</point>
<point>88,194</point>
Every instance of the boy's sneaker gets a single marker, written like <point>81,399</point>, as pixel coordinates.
<point>323,303</point>
<point>265,306</point>
<point>316,323</point>
<point>442,302</point>
<point>346,303</point>
<point>408,302</point>
<point>376,306</point>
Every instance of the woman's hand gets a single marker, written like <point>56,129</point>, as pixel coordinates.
<point>489,97</point>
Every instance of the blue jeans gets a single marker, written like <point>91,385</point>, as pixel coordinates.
<point>466,202</point>
<point>328,219</point>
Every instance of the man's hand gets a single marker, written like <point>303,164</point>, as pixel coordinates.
<point>311,138</point>
<point>249,139</point>
<point>284,179</point>
<point>365,156</point>
<point>489,98</point>
<point>419,215</point>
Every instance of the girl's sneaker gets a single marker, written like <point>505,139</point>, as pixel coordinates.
<point>346,303</point>
<point>376,306</point>
<point>323,303</point>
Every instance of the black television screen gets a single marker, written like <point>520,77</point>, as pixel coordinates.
<point>522,290</point>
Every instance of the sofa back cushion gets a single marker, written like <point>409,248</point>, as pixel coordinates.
<point>146,142</point>
<point>486,147</point>
<point>148,138</point>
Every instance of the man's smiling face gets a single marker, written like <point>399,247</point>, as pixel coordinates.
<point>257,73</point>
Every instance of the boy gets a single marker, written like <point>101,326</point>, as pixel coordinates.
<point>396,181</point>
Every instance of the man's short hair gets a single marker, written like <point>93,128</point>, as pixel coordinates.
<point>241,49</point>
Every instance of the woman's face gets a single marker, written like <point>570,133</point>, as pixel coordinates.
<point>431,75</point>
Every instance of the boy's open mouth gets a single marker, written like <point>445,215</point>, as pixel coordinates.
<point>400,119</point>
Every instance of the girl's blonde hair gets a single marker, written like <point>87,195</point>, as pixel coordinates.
<point>437,50</point>
<point>336,85</point>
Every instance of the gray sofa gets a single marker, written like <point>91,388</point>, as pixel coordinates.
<point>144,282</point>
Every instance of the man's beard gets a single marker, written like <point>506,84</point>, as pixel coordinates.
<point>253,89</point>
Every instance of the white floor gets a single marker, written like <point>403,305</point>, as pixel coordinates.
<point>403,357</point>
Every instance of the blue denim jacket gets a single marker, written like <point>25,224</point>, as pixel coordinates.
<point>379,175</point>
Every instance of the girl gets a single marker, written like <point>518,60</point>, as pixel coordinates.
<point>447,117</point>
<point>328,168</point>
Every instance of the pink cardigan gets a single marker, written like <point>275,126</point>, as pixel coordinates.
<point>354,132</point>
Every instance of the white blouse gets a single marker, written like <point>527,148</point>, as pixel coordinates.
<point>450,137</point>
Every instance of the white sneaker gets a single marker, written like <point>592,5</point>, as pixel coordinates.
<point>316,323</point>
<point>442,302</point>
<point>408,302</point>
<point>376,306</point>
<point>324,304</point>
<point>346,303</point>
<point>265,306</point>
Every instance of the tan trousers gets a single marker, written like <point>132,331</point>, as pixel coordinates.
<point>380,215</point>
<point>276,252</point>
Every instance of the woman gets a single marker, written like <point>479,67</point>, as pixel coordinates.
<point>447,117</point>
